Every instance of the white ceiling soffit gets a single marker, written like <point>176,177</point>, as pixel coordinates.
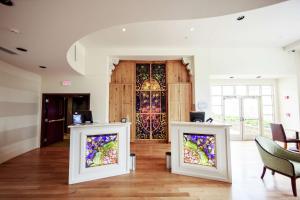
<point>49,28</point>
<point>294,46</point>
<point>268,27</point>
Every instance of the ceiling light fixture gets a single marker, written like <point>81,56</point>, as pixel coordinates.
<point>123,29</point>
<point>21,49</point>
<point>240,18</point>
<point>42,67</point>
<point>192,29</point>
<point>7,2</point>
<point>14,30</point>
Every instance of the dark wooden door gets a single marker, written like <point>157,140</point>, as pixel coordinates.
<point>53,119</point>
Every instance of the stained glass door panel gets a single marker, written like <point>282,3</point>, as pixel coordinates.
<point>151,113</point>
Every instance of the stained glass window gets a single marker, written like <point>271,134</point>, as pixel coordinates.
<point>199,149</point>
<point>101,150</point>
<point>151,113</point>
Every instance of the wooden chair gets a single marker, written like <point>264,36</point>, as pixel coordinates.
<point>278,134</point>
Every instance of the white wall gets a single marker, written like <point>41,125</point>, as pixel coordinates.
<point>19,111</point>
<point>207,61</point>
<point>289,108</point>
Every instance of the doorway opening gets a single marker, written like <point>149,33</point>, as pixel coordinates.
<point>57,113</point>
<point>249,108</point>
<point>150,94</point>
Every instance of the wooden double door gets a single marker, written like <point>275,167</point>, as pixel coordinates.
<point>149,95</point>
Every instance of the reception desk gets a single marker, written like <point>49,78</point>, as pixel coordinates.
<point>201,150</point>
<point>98,151</point>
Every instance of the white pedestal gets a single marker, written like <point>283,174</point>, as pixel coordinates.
<point>219,167</point>
<point>80,169</point>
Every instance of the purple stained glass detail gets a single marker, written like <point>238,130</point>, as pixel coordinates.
<point>155,102</point>
<point>143,101</point>
<point>199,149</point>
<point>101,150</point>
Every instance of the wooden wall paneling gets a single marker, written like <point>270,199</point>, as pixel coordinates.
<point>185,101</point>
<point>174,102</point>
<point>115,102</point>
<point>122,94</point>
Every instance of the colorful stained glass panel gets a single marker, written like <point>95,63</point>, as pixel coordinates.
<point>199,149</point>
<point>143,126</point>
<point>151,117</point>
<point>159,126</point>
<point>101,150</point>
<point>155,102</point>
<point>143,101</point>
<point>158,73</point>
<point>142,74</point>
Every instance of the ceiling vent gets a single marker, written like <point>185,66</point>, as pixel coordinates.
<point>7,51</point>
<point>7,2</point>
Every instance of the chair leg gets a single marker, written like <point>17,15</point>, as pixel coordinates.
<point>273,172</point>
<point>263,173</point>
<point>285,145</point>
<point>294,187</point>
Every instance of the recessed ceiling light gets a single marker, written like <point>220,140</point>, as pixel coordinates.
<point>14,30</point>
<point>258,77</point>
<point>7,2</point>
<point>123,29</point>
<point>192,29</point>
<point>42,67</point>
<point>231,77</point>
<point>240,18</point>
<point>21,49</point>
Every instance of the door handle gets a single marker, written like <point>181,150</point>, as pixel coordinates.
<point>56,120</point>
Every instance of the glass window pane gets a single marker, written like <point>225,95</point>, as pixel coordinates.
<point>250,107</point>
<point>217,110</point>
<point>241,90</point>
<point>267,100</point>
<point>268,118</point>
<point>228,90</point>
<point>216,90</point>
<point>254,90</point>
<point>266,90</point>
<point>216,100</point>
<point>267,110</point>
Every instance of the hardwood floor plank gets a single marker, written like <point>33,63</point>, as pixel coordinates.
<point>43,174</point>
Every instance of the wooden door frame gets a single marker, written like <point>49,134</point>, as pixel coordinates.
<point>44,95</point>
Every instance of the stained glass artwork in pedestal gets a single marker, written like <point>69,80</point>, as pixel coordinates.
<point>199,149</point>
<point>151,113</point>
<point>101,150</point>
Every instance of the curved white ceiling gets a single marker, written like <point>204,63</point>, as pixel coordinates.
<point>48,28</point>
<point>268,27</point>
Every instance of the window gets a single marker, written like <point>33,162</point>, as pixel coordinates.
<point>263,92</point>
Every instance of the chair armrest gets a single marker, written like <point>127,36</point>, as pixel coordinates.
<point>289,155</point>
<point>295,131</point>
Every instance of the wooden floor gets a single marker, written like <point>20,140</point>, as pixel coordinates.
<point>43,174</point>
